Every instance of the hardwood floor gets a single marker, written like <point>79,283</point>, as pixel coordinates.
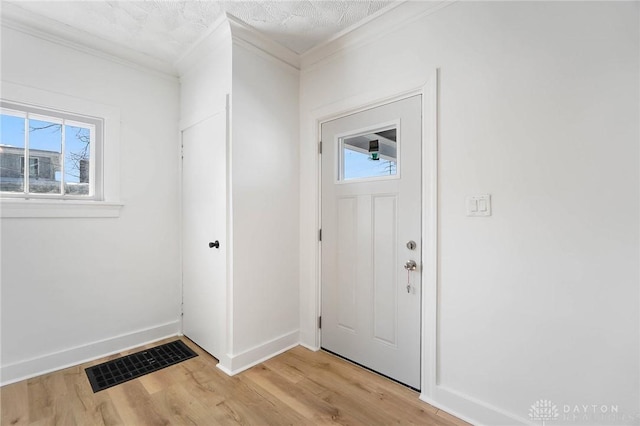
<point>298,387</point>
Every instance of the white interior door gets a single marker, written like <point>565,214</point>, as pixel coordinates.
<point>204,222</point>
<point>371,212</point>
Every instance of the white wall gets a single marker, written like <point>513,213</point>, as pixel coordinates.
<point>79,288</point>
<point>259,316</point>
<point>205,76</point>
<point>539,106</point>
<point>265,188</point>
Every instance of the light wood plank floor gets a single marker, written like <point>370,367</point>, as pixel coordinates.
<point>298,387</point>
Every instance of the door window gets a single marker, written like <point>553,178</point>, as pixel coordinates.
<point>370,155</point>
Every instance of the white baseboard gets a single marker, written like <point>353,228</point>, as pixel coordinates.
<point>310,338</point>
<point>43,364</point>
<point>247,359</point>
<point>311,348</point>
<point>475,412</point>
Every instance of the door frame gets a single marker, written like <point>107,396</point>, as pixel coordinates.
<point>429,220</point>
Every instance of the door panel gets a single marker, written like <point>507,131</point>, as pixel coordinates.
<point>385,241</point>
<point>347,237</point>
<point>204,221</point>
<point>371,207</point>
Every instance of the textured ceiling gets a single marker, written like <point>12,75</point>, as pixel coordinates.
<point>165,29</point>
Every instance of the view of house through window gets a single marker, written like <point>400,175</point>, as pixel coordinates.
<point>58,150</point>
<point>369,155</point>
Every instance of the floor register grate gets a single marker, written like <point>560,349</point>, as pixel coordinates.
<point>129,367</point>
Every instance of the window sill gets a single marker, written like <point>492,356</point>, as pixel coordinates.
<point>34,208</point>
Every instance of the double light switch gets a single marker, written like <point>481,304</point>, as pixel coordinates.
<point>479,205</point>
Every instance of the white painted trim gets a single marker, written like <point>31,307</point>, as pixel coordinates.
<point>471,409</point>
<point>239,42</point>
<point>359,104</point>
<point>180,157</point>
<point>387,22</point>
<point>449,410</point>
<point>47,29</point>
<point>34,208</point>
<point>317,319</point>
<point>327,44</point>
<point>429,367</point>
<point>228,329</point>
<point>54,361</point>
<point>250,36</point>
<point>311,348</point>
<point>221,366</point>
<point>254,356</point>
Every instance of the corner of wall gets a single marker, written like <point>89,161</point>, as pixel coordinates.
<point>217,33</point>
<point>234,364</point>
<point>244,33</point>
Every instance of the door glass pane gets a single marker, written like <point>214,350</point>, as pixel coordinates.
<point>77,157</point>
<point>11,153</point>
<point>45,146</point>
<point>370,155</point>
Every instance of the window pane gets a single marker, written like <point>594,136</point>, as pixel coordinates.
<point>77,157</point>
<point>11,153</point>
<point>45,145</point>
<point>370,155</point>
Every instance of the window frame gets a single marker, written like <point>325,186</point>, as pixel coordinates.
<point>339,141</point>
<point>22,164</point>
<point>106,202</point>
<point>95,124</point>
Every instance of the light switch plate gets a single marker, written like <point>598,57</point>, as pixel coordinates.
<point>478,205</point>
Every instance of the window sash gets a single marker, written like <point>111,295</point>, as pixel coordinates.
<point>33,164</point>
<point>94,126</point>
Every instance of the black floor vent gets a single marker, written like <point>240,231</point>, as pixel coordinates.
<point>129,367</point>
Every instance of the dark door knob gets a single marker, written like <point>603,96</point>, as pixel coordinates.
<point>215,244</point>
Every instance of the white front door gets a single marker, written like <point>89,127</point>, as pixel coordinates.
<point>371,228</point>
<point>204,224</point>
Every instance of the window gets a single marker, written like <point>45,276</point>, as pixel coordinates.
<point>372,154</point>
<point>61,149</point>
<point>33,167</point>
<point>98,171</point>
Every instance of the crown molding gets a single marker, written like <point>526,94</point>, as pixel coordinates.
<point>352,28</point>
<point>379,25</point>
<point>210,41</point>
<point>247,35</point>
<point>19,19</point>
